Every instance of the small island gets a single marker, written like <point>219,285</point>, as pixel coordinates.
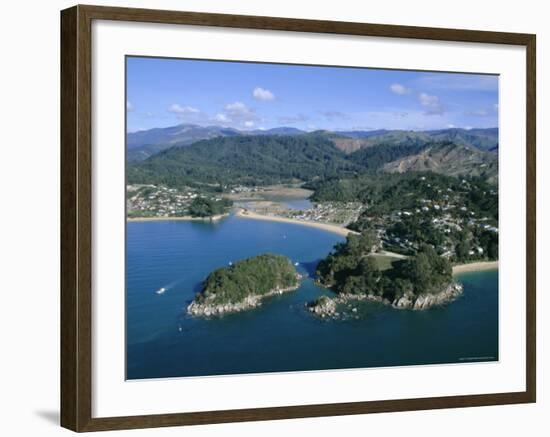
<point>244,284</point>
<point>352,272</point>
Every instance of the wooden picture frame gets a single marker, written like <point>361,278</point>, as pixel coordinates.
<point>76,217</point>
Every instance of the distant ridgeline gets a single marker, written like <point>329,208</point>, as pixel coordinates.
<point>143,144</point>
<point>244,284</point>
<point>227,156</point>
<point>352,271</point>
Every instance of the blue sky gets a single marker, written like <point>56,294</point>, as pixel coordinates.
<point>167,92</point>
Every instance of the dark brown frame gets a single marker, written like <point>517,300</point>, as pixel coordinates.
<point>76,221</point>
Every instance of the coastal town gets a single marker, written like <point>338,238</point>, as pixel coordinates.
<point>445,220</point>
<point>338,213</point>
<point>431,213</point>
<point>151,201</point>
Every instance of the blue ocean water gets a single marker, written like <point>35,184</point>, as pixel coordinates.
<point>162,341</point>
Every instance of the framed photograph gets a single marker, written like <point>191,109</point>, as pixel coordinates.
<point>268,218</point>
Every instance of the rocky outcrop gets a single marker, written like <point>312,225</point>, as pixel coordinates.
<point>208,309</point>
<point>324,307</point>
<point>328,307</point>
<point>424,301</point>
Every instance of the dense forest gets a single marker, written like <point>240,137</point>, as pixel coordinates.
<point>255,276</point>
<point>350,269</point>
<point>271,159</point>
<point>246,160</point>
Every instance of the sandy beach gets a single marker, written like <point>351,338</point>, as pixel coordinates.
<point>325,226</point>
<point>475,266</point>
<point>182,218</point>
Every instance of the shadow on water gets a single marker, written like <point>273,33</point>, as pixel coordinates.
<point>197,288</point>
<point>310,267</point>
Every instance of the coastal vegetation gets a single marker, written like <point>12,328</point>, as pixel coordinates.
<point>205,207</point>
<point>244,284</point>
<point>353,272</point>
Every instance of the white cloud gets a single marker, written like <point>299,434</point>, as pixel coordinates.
<point>432,104</point>
<point>263,94</point>
<point>248,124</point>
<point>451,126</point>
<point>399,89</point>
<point>129,106</point>
<point>238,114</point>
<point>222,118</point>
<point>238,108</point>
<point>182,110</point>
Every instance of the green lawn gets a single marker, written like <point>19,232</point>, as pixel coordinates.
<point>384,262</point>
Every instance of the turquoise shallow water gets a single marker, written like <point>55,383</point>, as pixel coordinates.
<point>162,341</point>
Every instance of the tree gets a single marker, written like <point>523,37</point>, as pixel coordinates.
<point>350,259</point>
<point>462,250</point>
<point>426,272</point>
<point>369,271</point>
<point>201,207</point>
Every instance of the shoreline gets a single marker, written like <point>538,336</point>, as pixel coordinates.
<point>186,218</point>
<point>247,214</point>
<point>328,306</point>
<point>475,267</point>
<point>201,309</point>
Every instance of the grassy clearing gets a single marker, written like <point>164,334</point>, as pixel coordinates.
<point>384,262</point>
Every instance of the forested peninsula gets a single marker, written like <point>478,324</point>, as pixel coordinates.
<point>352,272</point>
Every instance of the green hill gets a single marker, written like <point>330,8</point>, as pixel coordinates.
<point>250,160</point>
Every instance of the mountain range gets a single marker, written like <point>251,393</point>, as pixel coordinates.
<point>228,156</point>
<point>143,144</point>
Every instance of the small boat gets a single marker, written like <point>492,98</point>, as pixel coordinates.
<point>160,290</point>
<point>230,263</point>
<point>296,264</point>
